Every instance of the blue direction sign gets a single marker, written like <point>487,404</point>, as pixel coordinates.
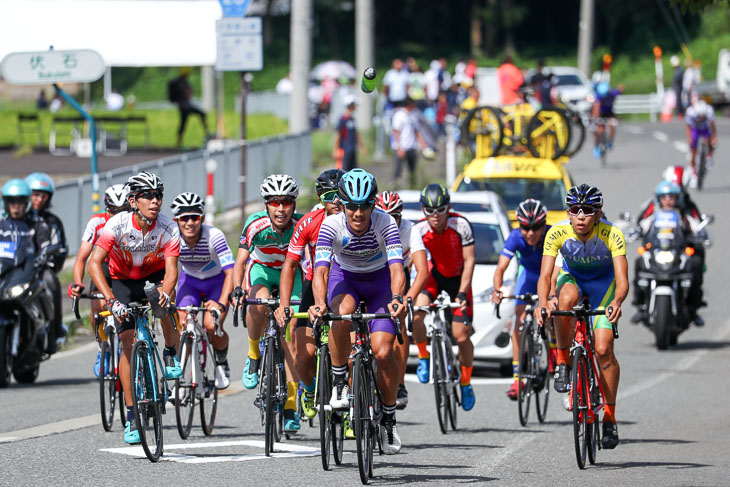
<point>234,8</point>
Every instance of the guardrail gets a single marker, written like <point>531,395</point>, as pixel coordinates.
<point>628,104</point>
<point>289,154</point>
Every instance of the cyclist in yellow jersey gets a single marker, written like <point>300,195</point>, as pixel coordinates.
<point>594,264</point>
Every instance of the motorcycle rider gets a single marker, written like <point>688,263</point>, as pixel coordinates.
<point>667,197</point>
<point>42,188</point>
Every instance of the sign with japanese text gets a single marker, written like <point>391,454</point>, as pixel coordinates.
<point>240,45</point>
<point>46,67</point>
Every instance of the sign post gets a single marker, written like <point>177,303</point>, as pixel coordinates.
<point>44,67</point>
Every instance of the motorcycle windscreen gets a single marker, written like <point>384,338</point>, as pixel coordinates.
<point>666,229</point>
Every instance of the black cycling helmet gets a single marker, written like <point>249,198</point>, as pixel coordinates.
<point>435,196</point>
<point>327,181</point>
<point>584,195</point>
<point>531,213</point>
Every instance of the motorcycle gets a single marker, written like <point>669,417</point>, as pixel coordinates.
<point>665,274</point>
<point>26,311</point>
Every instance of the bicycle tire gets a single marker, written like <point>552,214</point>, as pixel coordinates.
<point>701,165</point>
<point>281,397</point>
<point>324,393</point>
<point>361,421</point>
<point>107,388</point>
<point>119,386</point>
<point>453,375</point>
<point>184,388</point>
<point>592,430</point>
<point>492,128</point>
<point>526,374</point>
<point>557,138</point>
<point>579,393</point>
<point>146,406</point>
<point>209,396</point>
<point>269,399</point>
<point>577,133</point>
<point>439,383</point>
<point>543,394</point>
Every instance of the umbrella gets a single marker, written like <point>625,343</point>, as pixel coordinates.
<point>333,70</point>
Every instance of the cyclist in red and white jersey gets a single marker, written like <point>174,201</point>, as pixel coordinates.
<point>142,245</point>
<point>115,201</point>
<point>449,239</point>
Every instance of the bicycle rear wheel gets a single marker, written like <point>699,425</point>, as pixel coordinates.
<point>440,379</point>
<point>184,387</point>
<point>362,388</point>
<point>542,393</point>
<point>269,398</point>
<point>148,414</point>
<point>324,393</point>
<point>579,393</point>
<point>701,163</point>
<point>452,384</point>
<point>577,133</point>
<point>107,386</point>
<point>525,375</point>
<point>209,394</point>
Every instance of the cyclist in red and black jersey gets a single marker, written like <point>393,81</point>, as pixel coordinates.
<point>449,239</point>
<point>305,236</point>
<point>115,201</point>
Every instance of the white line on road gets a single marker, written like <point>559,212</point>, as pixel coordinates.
<point>50,428</point>
<point>681,146</point>
<point>660,136</point>
<point>635,129</point>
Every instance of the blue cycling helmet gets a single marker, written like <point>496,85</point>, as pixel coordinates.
<point>357,186</point>
<point>40,181</point>
<point>16,188</point>
<point>602,89</point>
<point>667,187</point>
<point>584,195</point>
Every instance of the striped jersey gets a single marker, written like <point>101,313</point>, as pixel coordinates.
<point>305,235</point>
<point>378,247</point>
<point>93,227</point>
<point>266,245</point>
<point>210,256</point>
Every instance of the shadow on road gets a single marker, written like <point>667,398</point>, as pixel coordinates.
<point>659,441</point>
<point>71,381</point>
<point>700,345</point>
<point>425,477</point>
<point>668,465</point>
<point>501,430</point>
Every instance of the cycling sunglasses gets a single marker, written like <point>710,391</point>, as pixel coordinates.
<point>587,210</point>
<point>275,202</point>
<point>434,211</point>
<point>535,228</point>
<point>364,206</point>
<point>329,197</point>
<point>187,218</point>
<point>150,194</point>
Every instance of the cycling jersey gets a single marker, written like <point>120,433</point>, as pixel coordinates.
<point>305,235</point>
<point>445,247</point>
<point>410,240</point>
<point>93,227</point>
<point>210,256</point>
<point>590,259</point>
<point>691,119</point>
<point>133,255</point>
<point>378,247</point>
<point>529,257</point>
<point>266,245</point>
<point>605,103</point>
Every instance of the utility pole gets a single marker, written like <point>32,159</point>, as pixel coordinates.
<point>585,36</point>
<point>244,94</point>
<point>300,49</point>
<point>364,57</point>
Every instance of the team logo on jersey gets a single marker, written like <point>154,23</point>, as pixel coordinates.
<point>345,240</point>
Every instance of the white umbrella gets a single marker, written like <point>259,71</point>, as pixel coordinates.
<point>333,70</point>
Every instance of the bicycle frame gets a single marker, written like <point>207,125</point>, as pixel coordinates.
<point>200,335</point>
<point>583,336</point>
<point>143,332</point>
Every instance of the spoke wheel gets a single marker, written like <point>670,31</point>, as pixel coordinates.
<point>209,399</point>
<point>526,374</point>
<point>148,414</point>
<point>6,358</point>
<point>577,133</point>
<point>440,379</point>
<point>184,388</point>
<point>452,385</point>
<point>107,386</point>
<point>542,393</point>
<point>361,421</point>
<point>579,395</point>
<point>481,131</point>
<point>548,134</point>
<point>324,393</point>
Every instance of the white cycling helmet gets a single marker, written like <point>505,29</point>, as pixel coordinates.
<point>702,109</point>
<point>187,204</point>
<point>279,185</point>
<point>117,196</point>
<point>144,181</point>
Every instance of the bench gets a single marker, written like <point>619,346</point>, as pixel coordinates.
<point>28,124</point>
<point>112,133</point>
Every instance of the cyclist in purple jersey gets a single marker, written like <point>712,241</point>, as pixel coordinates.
<point>359,257</point>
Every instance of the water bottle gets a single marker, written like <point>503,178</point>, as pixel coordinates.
<point>368,80</point>
<point>153,296</point>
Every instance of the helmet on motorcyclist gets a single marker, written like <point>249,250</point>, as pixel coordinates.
<point>40,181</point>
<point>602,89</point>
<point>16,191</point>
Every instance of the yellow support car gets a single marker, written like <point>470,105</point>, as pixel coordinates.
<point>516,178</point>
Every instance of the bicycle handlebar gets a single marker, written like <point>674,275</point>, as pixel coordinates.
<point>581,312</point>
<point>529,297</point>
<point>271,303</point>
<point>75,302</point>
<point>357,316</point>
<point>202,309</point>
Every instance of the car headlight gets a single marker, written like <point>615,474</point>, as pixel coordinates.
<point>16,290</point>
<point>664,257</point>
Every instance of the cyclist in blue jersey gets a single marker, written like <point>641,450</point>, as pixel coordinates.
<point>525,243</point>
<point>207,274</point>
<point>359,257</point>
<point>603,108</point>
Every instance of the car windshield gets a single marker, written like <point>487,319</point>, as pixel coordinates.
<point>514,191</point>
<point>488,241</point>
<point>457,207</point>
<point>567,80</point>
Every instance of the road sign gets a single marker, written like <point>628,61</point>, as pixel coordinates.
<point>46,67</point>
<point>240,45</point>
<point>234,8</point>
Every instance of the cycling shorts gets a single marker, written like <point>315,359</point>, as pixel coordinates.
<point>371,287</point>
<point>695,134</point>
<point>130,290</point>
<point>191,290</point>
<point>307,302</point>
<point>437,283</point>
<point>107,276</point>
<point>599,290</point>
<point>261,275</point>
<point>526,283</point>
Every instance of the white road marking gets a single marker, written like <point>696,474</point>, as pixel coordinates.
<point>482,381</point>
<point>74,351</point>
<point>635,129</point>
<point>681,146</point>
<point>51,428</point>
<point>660,136</point>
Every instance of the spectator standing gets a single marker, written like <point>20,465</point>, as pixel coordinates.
<point>284,85</point>
<point>395,84</point>
<point>180,91</point>
<point>347,140</point>
<point>510,79</point>
<point>42,101</point>
<point>432,82</point>
<point>677,76</point>
<point>406,140</point>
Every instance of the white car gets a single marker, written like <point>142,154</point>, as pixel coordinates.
<point>488,217</point>
<point>572,87</point>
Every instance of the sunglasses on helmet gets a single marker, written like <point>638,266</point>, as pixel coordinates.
<point>364,206</point>
<point>434,211</point>
<point>277,202</point>
<point>329,196</point>
<point>150,194</point>
<point>586,210</point>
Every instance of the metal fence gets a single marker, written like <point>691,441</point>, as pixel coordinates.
<point>290,154</point>
<point>632,104</point>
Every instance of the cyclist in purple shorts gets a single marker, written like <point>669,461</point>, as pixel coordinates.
<point>207,273</point>
<point>359,257</point>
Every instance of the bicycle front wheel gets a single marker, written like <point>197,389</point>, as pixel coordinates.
<point>363,390</point>
<point>107,386</point>
<point>526,374</point>
<point>579,394</point>
<point>145,395</point>
<point>324,392</point>
<point>440,379</point>
<point>452,385</point>
<point>184,388</point>
<point>542,382</point>
<point>209,394</point>
<point>269,398</point>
